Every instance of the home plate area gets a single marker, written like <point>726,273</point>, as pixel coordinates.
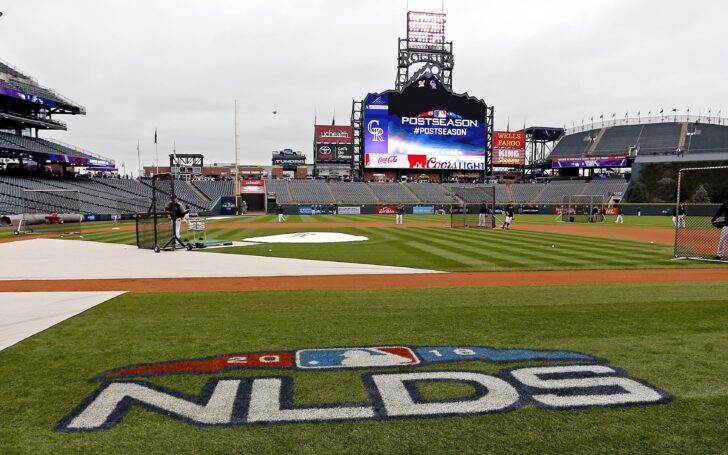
<point>308,237</point>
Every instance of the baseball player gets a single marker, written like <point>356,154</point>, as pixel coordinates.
<point>483,214</point>
<point>723,226</point>
<point>509,216</point>
<point>682,215</point>
<point>175,212</point>
<point>674,217</point>
<point>281,218</point>
<point>399,218</point>
<point>620,215</point>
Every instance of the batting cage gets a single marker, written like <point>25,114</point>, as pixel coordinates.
<point>50,211</point>
<point>475,215</point>
<point>702,200</point>
<point>583,208</point>
<point>155,229</point>
<point>129,207</point>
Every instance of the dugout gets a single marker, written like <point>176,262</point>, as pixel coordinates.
<point>253,192</point>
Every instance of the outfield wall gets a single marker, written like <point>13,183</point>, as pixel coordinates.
<point>630,209</point>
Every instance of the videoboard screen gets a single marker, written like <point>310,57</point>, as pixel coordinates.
<point>425,126</point>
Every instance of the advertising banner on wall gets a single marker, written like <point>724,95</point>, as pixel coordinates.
<point>509,148</point>
<point>424,127</point>
<point>334,134</point>
<point>423,210</point>
<point>348,210</point>
<point>252,187</point>
<point>597,161</point>
<point>386,209</point>
<point>227,205</point>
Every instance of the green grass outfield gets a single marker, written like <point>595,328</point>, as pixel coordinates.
<point>674,336</point>
<point>442,248</point>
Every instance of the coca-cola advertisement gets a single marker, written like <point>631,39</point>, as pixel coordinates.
<point>334,134</point>
<point>386,209</point>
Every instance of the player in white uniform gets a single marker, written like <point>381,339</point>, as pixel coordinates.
<point>723,225</point>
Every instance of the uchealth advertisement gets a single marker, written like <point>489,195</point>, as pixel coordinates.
<point>424,127</point>
<point>334,134</point>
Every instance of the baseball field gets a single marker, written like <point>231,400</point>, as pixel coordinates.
<point>545,338</point>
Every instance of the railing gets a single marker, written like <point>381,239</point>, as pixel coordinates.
<point>18,70</point>
<point>80,150</point>
<point>34,84</point>
<point>661,118</point>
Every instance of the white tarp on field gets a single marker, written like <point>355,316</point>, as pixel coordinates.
<point>23,314</point>
<point>54,259</point>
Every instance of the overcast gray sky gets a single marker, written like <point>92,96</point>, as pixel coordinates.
<point>179,65</point>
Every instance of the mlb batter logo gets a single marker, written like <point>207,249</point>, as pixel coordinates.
<point>355,357</point>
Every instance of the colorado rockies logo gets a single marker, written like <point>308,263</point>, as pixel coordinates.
<point>573,381</point>
<point>376,132</point>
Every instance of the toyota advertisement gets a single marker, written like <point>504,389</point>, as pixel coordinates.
<point>424,127</point>
<point>334,152</point>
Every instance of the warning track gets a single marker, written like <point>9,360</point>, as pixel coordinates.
<point>404,281</point>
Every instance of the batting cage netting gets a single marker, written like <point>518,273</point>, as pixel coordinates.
<point>702,197</point>
<point>129,207</point>
<point>471,215</point>
<point>154,227</point>
<point>583,208</point>
<point>50,211</point>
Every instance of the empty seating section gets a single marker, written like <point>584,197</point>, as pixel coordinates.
<point>31,89</point>
<point>707,138</point>
<point>215,189</point>
<point>617,141</point>
<point>555,191</point>
<point>606,187</point>
<point>392,193</point>
<point>574,145</point>
<point>471,194</point>
<point>311,191</point>
<point>660,138</point>
<point>279,188</point>
<point>431,192</point>
<point>7,69</point>
<point>352,192</point>
<point>33,144</point>
<point>113,196</point>
<point>526,192</point>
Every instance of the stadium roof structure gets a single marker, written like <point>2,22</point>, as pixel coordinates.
<point>544,133</point>
<point>25,106</point>
<point>17,85</point>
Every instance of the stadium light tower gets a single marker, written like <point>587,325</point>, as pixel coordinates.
<point>425,43</point>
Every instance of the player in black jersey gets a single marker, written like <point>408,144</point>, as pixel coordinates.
<point>483,214</point>
<point>509,216</point>
<point>723,226</point>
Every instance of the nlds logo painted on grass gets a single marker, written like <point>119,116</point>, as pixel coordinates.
<point>575,381</point>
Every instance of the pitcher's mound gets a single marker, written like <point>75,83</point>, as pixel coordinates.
<point>308,237</point>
